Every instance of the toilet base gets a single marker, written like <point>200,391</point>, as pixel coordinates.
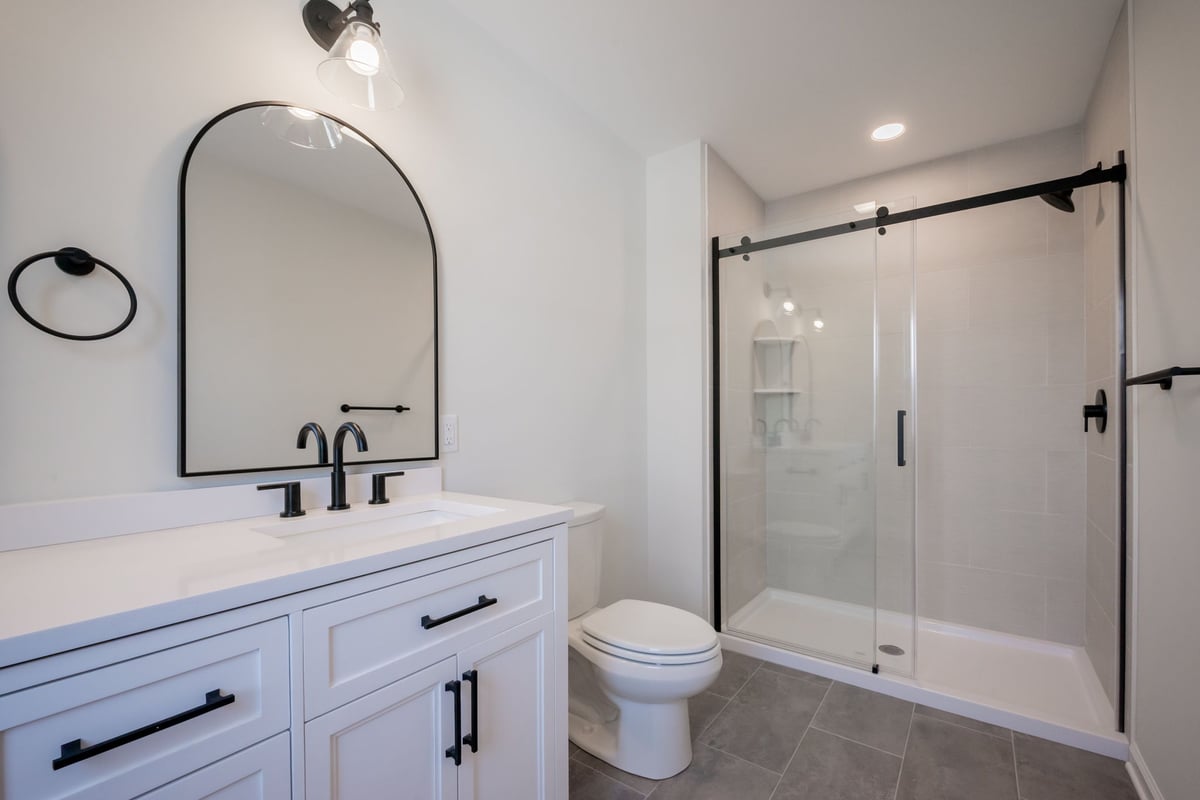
<point>652,740</point>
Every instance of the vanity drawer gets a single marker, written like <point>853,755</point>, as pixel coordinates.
<point>146,721</point>
<point>359,644</point>
<point>261,772</point>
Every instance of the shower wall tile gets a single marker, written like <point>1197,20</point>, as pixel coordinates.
<point>1027,293</point>
<point>984,599</point>
<point>1066,483</point>
<point>1101,635</point>
<point>1012,480</point>
<point>944,300</point>
<point>1101,340</point>
<point>1026,160</point>
<point>1065,611</point>
<point>1065,352</point>
<point>1030,544</point>
<point>1102,570</point>
<point>1008,232</point>
<point>1101,494</point>
<point>1065,231</point>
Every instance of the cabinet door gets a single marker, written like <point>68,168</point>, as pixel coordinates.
<point>261,772</point>
<point>389,744</point>
<point>514,726</point>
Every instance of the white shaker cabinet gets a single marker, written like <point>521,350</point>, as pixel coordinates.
<point>476,724</point>
<point>392,742</point>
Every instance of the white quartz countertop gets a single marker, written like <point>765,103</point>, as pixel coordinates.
<point>64,596</point>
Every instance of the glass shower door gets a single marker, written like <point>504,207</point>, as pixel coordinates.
<point>805,438</point>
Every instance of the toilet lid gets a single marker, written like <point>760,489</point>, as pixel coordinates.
<point>651,628</point>
<point>650,658</point>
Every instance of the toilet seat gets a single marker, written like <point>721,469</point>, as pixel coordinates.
<point>650,633</point>
<point>651,658</point>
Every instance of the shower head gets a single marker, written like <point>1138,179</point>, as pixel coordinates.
<point>1061,200</point>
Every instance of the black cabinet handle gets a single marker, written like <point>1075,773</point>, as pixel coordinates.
<point>74,751</point>
<point>472,738</point>
<point>455,750</point>
<point>428,622</point>
<point>900,414</point>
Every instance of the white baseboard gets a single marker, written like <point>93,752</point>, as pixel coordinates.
<point>1139,773</point>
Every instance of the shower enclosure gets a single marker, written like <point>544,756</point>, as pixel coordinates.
<point>818,409</point>
<point>817,413</point>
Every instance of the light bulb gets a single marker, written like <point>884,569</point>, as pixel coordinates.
<point>363,57</point>
<point>788,306</point>
<point>302,113</point>
<point>819,323</point>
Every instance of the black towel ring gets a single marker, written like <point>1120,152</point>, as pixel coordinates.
<point>73,261</point>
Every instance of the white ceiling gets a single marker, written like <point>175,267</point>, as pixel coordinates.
<point>787,91</point>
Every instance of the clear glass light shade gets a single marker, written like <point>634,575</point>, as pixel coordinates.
<point>358,69</point>
<point>302,127</point>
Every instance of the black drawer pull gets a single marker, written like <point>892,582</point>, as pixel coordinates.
<point>428,622</point>
<point>455,750</point>
<point>472,738</point>
<point>74,751</point>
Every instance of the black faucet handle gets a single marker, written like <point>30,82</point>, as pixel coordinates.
<point>291,497</point>
<point>379,487</point>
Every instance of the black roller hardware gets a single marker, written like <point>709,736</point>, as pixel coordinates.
<point>73,752</point>
<point>428,622</point>
<point>472,738</point>
<point>454,751</point>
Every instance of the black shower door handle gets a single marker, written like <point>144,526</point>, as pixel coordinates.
<point>900,462</point>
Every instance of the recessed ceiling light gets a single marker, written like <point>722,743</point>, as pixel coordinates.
<point>885,133</point>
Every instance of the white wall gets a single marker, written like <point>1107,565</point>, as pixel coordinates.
<point>691,195</point>
<point>676,468</point>
<point>999,448</point>
<point>538,216</point>
<point>1105,131</point>
<point>1166,332</point>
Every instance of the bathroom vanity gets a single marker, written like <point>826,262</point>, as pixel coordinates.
<point>417,648</point>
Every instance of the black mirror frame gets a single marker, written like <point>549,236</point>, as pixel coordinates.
<point>182,470</point>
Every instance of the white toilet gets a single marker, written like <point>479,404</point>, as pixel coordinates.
<point>632,665</point>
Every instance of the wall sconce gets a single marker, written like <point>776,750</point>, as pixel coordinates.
<point>358,68</point>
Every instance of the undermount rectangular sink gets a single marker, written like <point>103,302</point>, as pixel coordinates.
<point>371,522</point>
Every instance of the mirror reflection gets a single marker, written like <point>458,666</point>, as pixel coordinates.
<point>308,283</point>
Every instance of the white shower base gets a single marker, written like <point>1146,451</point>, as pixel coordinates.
<point>1042,688</point>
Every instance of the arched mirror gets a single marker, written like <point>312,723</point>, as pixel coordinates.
<point>308,292</point>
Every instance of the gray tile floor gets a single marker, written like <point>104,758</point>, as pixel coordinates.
<point>764,732</point>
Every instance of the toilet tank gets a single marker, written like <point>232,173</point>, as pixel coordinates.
<point>585,540</point>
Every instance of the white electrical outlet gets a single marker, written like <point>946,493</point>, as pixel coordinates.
<point>450,433</point>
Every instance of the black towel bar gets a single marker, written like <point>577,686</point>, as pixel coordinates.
<point>1163,377</point>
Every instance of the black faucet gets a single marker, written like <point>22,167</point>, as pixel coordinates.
<point>322,442</point>
<point>337,486</point>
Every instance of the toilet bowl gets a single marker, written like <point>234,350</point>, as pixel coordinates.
<point>632,666</point>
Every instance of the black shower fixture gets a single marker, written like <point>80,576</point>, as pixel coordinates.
<point>1061,200</point>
